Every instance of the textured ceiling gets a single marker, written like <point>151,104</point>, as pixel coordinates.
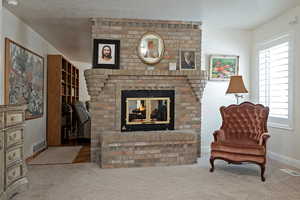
<point>65,23</point>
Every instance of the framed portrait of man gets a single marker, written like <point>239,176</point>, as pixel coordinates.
<point>187,60</point>
<point>106,54</point>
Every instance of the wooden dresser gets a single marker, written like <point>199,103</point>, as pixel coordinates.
<point>12,164</point>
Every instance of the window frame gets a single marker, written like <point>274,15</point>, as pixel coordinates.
<point>278,122</point>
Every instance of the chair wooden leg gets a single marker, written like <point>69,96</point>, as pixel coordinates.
<point>263,168</point>
<point>212,164</point>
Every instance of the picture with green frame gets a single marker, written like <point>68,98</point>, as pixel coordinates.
<point>223,66</point>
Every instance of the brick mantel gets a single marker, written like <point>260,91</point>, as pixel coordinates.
<point>97,78</point>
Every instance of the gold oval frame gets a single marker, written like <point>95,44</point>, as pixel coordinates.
<point>160,57</point>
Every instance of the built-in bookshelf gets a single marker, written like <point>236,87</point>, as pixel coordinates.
<point>63,89</point>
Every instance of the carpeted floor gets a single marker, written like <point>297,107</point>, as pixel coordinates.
<point>87,181</point>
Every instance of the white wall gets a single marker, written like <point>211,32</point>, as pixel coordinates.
<point>16,30</point>
<point>226,42</point>
<point>283,144</point>
<point>83,93</point>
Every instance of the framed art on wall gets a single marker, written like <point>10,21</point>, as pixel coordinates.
<point>151,48</point>
<point>187,60</point>
<point>106,54</point>
<point>221,67</point>
<point>24,79</point>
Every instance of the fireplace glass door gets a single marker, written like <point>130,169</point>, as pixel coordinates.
<point>148,111</point>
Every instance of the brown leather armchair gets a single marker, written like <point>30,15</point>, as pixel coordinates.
<point>243,135</point>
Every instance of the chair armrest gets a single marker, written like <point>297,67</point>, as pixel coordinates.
<point>219,135</point>
<point>264,138</point>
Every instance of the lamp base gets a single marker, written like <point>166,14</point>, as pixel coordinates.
<point>237,97</point>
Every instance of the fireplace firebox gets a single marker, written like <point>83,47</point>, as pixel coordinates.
<point>147,110</point>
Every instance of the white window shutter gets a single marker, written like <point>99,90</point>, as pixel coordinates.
<point>274,78</point>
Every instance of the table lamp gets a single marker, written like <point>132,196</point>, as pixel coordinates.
<point>236,87</point>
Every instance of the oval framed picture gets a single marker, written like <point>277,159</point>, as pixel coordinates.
<point>151,48</point>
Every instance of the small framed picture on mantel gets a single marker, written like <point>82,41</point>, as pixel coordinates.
<point>106,54</point>
<point>187,60</point>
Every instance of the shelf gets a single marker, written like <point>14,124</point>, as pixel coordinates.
<point>67,88</point>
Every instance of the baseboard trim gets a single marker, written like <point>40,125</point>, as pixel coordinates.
<point>284,159</point>
<point>35,155</point>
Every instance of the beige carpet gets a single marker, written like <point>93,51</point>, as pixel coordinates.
<point>88,182</point>
<point>56,155</point>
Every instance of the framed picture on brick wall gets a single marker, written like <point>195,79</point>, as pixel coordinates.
<point>106,54</point>
<point>187,60</point>
<point>151,48</point>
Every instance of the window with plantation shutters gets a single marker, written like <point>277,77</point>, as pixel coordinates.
<point>274,82</point>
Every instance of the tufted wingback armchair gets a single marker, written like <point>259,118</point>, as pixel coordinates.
<point>243,135</point>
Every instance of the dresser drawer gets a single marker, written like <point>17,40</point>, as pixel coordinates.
<point>14,118</point>
<point>2,120</point>
<point>14,173</point>
<point>13,155</point>
<point>14,136</point>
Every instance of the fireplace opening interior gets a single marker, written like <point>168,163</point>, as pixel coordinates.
<point>147,110</point>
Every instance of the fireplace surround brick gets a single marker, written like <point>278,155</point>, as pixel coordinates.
<point>105,86</point>
<point>112,148</point>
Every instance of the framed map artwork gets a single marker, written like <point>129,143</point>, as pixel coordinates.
<point>24,79</point>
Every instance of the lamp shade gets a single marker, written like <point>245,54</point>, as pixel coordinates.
<point>236,85</point>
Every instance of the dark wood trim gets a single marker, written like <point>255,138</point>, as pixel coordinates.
<point>6,71</point>
<point>7,39</point>
<point>261,165</point>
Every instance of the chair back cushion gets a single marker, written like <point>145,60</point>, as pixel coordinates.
<point>245,121</point>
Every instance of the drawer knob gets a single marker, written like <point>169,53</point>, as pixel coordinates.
<point>12,137</point>
<point>12,119</point>
<point>11,157</point>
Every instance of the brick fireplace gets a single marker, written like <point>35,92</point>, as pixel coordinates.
<point>146,117</point>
